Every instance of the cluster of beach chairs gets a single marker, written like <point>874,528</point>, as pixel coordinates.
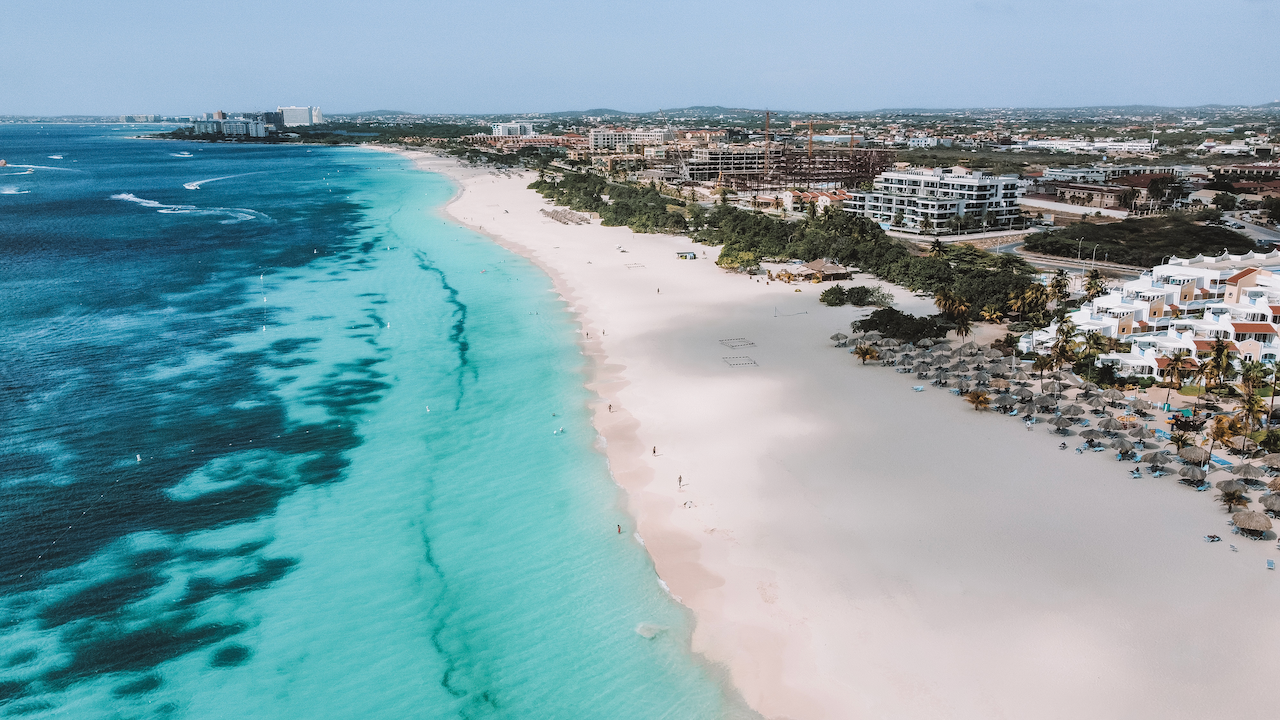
<point>567,217</point>
<point>1118,422</point>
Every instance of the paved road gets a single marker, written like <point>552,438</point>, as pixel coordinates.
<point>1256,232</point>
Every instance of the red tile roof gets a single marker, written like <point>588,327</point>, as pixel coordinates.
<point>1254,328</point>
<point>1188,363</point>
<point>1241,275</point>
<point>1208,345</point>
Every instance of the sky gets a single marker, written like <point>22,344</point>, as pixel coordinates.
<point>178,57</point>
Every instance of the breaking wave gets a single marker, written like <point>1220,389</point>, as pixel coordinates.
<point>233,215</point>
<point>195,184</point>
<point>12,189</point>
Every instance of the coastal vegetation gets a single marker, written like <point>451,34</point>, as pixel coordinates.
<point>1142,242</point>
<point>642,208</point>
<point>860,295</point>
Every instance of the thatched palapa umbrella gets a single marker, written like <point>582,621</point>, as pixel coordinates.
<point>992,354</point>
<point>1072,410</point>
<point>1272,461</point>
<point>1230,486</point>
<point>839,337</point>
<point>924,343</point>
<point>1062,423</point>
<point>1111,424</point>
<point>1141,434</point>
<point>1000,384</point>
<point>1247,471</point>
<point>1251,521</point>
<point>1159,457</point>
<point>1113,395</point>
<point>1271,503</point>
<point>1192,472</point>
<point>1024,393</point>
<point>1088,387</point>
<point>1092,435</point>
<point>1194,454</point>
<point>1005,401</point>
<point>1095,402</point>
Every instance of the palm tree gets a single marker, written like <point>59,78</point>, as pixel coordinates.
<point>1060,287</point>
<point>1063,350</point>
<point>1233,498</point>
<point>963,324</point>
<point>1041,363</point>
<point>937,249</point>
<point>991,313</point>
<point>865,353</point>
<point>1252,374</point>
<point>1174,371</point>
<point>979,400</point>
<point>1251,407</point>
<point>1094,285</point>
<point>1181,440</point>
<point>1224,428</point>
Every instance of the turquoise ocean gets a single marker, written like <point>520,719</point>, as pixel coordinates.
<point>282,441</point>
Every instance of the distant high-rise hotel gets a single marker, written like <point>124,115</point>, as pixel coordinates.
<point>512,128</point>
<point>298,116</point>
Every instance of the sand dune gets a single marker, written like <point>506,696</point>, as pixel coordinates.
<point>853,549</point>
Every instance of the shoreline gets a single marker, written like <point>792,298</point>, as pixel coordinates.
<point>1024,584</point>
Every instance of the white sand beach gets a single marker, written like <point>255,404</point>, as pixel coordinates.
<point>853,549</point>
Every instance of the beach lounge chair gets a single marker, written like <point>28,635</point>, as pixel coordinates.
<point>1212,538</point>
<point>918,388</point>
<point>1271,564</point>
<point>955,391</point>
<point>1084,423</point>
<point>1135,473</point>
<point>1099,449</point>
<point>1080,450</point>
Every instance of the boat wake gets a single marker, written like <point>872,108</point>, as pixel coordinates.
<point>12,189</point>
<point>233,215</point>
<point>195,184</point>
<point>183,154</point>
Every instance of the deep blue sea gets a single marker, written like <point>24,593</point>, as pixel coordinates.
<point>279,441</point>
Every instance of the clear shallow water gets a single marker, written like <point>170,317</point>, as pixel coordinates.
<point>279,443</point>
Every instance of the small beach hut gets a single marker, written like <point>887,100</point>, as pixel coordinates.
<point>1251,523</point>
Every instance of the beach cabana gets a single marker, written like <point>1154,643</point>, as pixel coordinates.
<point>1251,524</point>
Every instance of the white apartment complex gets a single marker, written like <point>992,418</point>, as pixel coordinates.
<point>300,116</point>
<point>615,138</point>
<point>1186,304</point>
<point>512,128</point>
<point>929,198</point>
<point>1129,146</point>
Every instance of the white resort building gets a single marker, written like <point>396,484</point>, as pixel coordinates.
<point>928,198</point>
<point>1185,304</point>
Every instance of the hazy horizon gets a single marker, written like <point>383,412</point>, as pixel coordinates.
<point>504,58</point>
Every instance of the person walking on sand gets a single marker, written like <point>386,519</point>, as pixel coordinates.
<point>655,451</point>
<point>619,529</point>
<point>680,481</point>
